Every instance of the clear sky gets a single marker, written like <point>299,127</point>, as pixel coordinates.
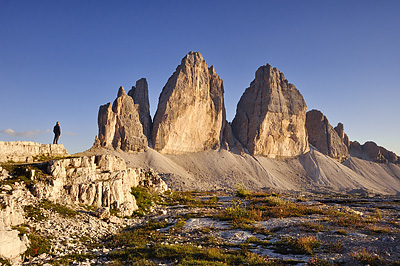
<point>61,60</point>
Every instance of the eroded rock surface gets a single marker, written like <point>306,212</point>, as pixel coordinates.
<point>372,152</point>
<point>140,96</point>
<point>270,116</point>
<point>324,137</point>
<point>191,112</point>
<point>101,181</point>
<point>28,151</point>
<point>120,126</point>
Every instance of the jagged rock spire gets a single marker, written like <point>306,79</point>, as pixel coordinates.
<point>191,114</point>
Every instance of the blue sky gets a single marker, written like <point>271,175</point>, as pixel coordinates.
<point>61,60</point>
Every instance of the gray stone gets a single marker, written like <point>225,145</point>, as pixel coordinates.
<point>270,116</point>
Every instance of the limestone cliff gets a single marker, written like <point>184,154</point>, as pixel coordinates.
<point>96,180</point>
<point>140,96</point>
<point>191,114</point>
<point>28,151</point>
<point>325,138</point>
<point>120,125</point>
<point>270,116</point>
<point>372,152</point>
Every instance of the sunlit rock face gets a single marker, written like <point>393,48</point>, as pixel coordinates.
<point>270,116</point>
<point>140,96</point>
<point>191,114</point>
<point>325,138</point>
<point>120,126</point>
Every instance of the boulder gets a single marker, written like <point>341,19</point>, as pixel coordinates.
<point>191,114</point>
<point>140,96</point>
<point>120,126</point>
<point>270,116</point>
<point>324,137</point>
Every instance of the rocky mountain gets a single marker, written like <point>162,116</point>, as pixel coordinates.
<point>325,138</point>
<point>120,125</point>
<point>270,116</point>
<point>140,96</point>
<point>191,114</point>
<point>270,120</point>
<point>372,152</point>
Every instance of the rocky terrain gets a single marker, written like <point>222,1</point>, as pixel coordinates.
<point>233,228</point>
<point>277,186</point>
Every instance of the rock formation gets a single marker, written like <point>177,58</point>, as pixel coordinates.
<point>140,96</point>
<point>191,114</point>
<point>326,139</point>
<point>342,135</point>
<point>101,181</point>
<point>372,152</point>
<point>120,125</point>
<point>27,151</point>
<point>270,116</point>
<point>12,214</point>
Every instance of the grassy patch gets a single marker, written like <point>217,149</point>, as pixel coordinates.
<point>366,257</point>
<point>38,244</point>
<point>144,199</point>
<point>240,214</point>
<point>301,245</point>
<point>313,227</point>
<point>21,173</point>
<point>35,212</point>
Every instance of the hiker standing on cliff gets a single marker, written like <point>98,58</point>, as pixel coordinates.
<point>57,133</point>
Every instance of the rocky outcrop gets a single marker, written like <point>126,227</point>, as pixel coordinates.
<point>140,96</point>
<point>191,114</point>
<point>28,151</point>
<point>372,152</point>
<point>270,116</point>
<point>12,214</point>
<point>101,181</point>
<point>120,125</point>
<point>342,135</point>
<point>324,137</point>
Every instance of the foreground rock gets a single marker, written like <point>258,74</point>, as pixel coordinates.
<point>12,214</point>
<point>120,125</point>
<point>270,116</point>
<point>101,181</point>
<point>325,138</point>
<point>27,151</point>
<point>191,114</point>
<point>372,152</point>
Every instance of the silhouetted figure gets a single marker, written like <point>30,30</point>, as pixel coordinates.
<point>57,133</point>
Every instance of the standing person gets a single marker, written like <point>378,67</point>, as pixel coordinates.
<point>57,133</point>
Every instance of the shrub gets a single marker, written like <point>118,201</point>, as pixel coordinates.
<point>301,245</point>
<point>366,257</point>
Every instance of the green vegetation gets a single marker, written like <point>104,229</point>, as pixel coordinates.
<point>240,214</point>
<point>301,245</point>
<point>143,246</point>
<point>144,199</point>
<point>38,244</point>
<point>366,257</point>
<point>36,213</point>
<point>4,262</point>
<point>22,173</point>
